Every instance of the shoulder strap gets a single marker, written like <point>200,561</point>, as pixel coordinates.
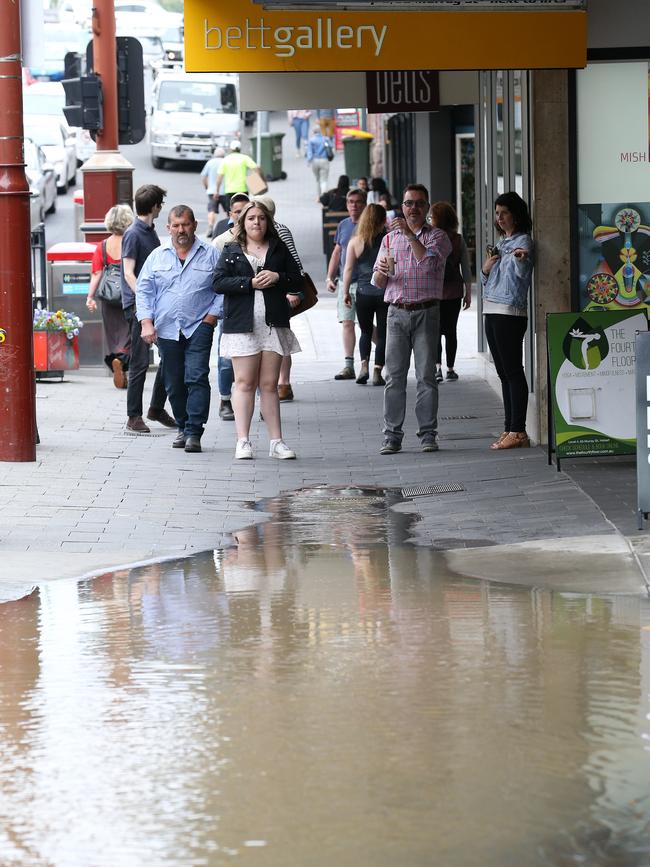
<point>104,255</point>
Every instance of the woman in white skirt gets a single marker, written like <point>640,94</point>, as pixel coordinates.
<point>260,282</point>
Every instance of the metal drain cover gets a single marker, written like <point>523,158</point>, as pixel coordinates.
<point>456,417</point>
<point>428,490</point>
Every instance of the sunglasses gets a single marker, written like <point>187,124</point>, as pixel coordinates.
<point>418,203</point>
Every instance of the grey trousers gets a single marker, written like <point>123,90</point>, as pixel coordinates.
<point>409,332</point>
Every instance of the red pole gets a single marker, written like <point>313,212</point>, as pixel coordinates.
<point>17,389</point>
<point>105,65</point>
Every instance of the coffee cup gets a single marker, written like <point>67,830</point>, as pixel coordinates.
<point>390,264</point>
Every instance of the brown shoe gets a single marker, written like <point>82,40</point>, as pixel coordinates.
<point>285,392</point>
<point>161,416</point>
<point>136,425</point>
<point>346,373</point>
<point>514,440</point>
<point>377,378</point>
<point>495,444</point>
<point>119,374</point>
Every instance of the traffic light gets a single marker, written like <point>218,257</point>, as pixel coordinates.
<point>131,112</point>
<point>83,102</point>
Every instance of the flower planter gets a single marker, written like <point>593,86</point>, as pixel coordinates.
<point>54,351</point>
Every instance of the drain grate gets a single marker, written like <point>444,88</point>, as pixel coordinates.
<point>456,417</point>
<point>428,490</point>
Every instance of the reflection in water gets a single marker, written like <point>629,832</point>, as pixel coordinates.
<point>321,695</point>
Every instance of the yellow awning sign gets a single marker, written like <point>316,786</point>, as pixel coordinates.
<point>243,36</point>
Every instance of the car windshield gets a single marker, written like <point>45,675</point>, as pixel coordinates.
<point>197,96</point>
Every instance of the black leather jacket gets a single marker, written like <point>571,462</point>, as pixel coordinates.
<point>233,280</point>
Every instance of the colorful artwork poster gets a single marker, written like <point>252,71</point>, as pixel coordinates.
<point>591,357</point>
<point>614,242</point>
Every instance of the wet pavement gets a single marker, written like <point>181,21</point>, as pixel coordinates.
<point>349,659</point>
<point>322,693</point>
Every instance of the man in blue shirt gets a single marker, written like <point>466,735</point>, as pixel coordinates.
<point>178,308</point>
<point>139,240</point>
<point>318,148</point>
<point>355,203</point>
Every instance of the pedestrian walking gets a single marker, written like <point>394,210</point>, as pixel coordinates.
<point>178,308</point>
<point>209,174</point>
<point>225,373</point>
<point>505,278</point>
<point>140,239</point>
<point>318,150</point>
<point>410,267</point>
<point>456,287</point>
<point>299,120</point>
<point>233,172</point>
<point>326,122</point>
<point>285,389</point>
<point>362,253</point>
<point>355,203</point>
<point>260,281</point>
<point>117,334</point>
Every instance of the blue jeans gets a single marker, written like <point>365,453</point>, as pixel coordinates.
<point>301,128</point>
<point>186,368</point>
<point>225,373</point>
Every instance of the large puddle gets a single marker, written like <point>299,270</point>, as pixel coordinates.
<point>321,695</point>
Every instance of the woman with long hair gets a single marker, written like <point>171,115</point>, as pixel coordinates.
<point>506,278</point>
<point>457,286</point>
<point>261,282</point>
<point>334,200</point>
<point>362,252</point>
<point>116,328</point>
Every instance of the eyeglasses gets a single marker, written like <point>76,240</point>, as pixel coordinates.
<point>419,203</point>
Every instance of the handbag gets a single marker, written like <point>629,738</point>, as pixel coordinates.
<point>110,283</point>
<point>329,152</point>
<point>309,296</point>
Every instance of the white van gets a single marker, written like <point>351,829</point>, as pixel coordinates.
<point>191,114</point>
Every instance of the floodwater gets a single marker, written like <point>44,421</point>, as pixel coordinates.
<point>322,695</point>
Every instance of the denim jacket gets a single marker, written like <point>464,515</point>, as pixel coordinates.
<point>509,280</point>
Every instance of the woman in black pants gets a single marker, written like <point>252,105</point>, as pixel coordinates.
<point>506,277</point>
<point>457,286</point>
<point>362,251</point>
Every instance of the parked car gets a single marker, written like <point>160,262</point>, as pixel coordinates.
<point>58,145</point>
<point>191,115</point>
<point>42,183</point>
<point>59,39</point>
<point>48,98</point>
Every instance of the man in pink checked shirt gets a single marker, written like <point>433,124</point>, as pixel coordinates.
<point>410,267</point>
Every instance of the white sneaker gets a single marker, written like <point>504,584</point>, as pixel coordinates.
<point>243,450</point>
<point>281,451</point>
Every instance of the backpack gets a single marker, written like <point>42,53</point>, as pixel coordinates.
<point>110,283</point>
<point>453,279</point>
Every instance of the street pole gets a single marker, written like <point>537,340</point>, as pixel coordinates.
<point>107,175</point>
<point>17,388</point>
<point>105,65</point>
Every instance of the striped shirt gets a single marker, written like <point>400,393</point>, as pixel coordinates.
<point>413,281</point>
<point>285,235</point>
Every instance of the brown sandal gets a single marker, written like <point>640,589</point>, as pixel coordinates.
<point>513,440</point>
<point>495,444</point>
